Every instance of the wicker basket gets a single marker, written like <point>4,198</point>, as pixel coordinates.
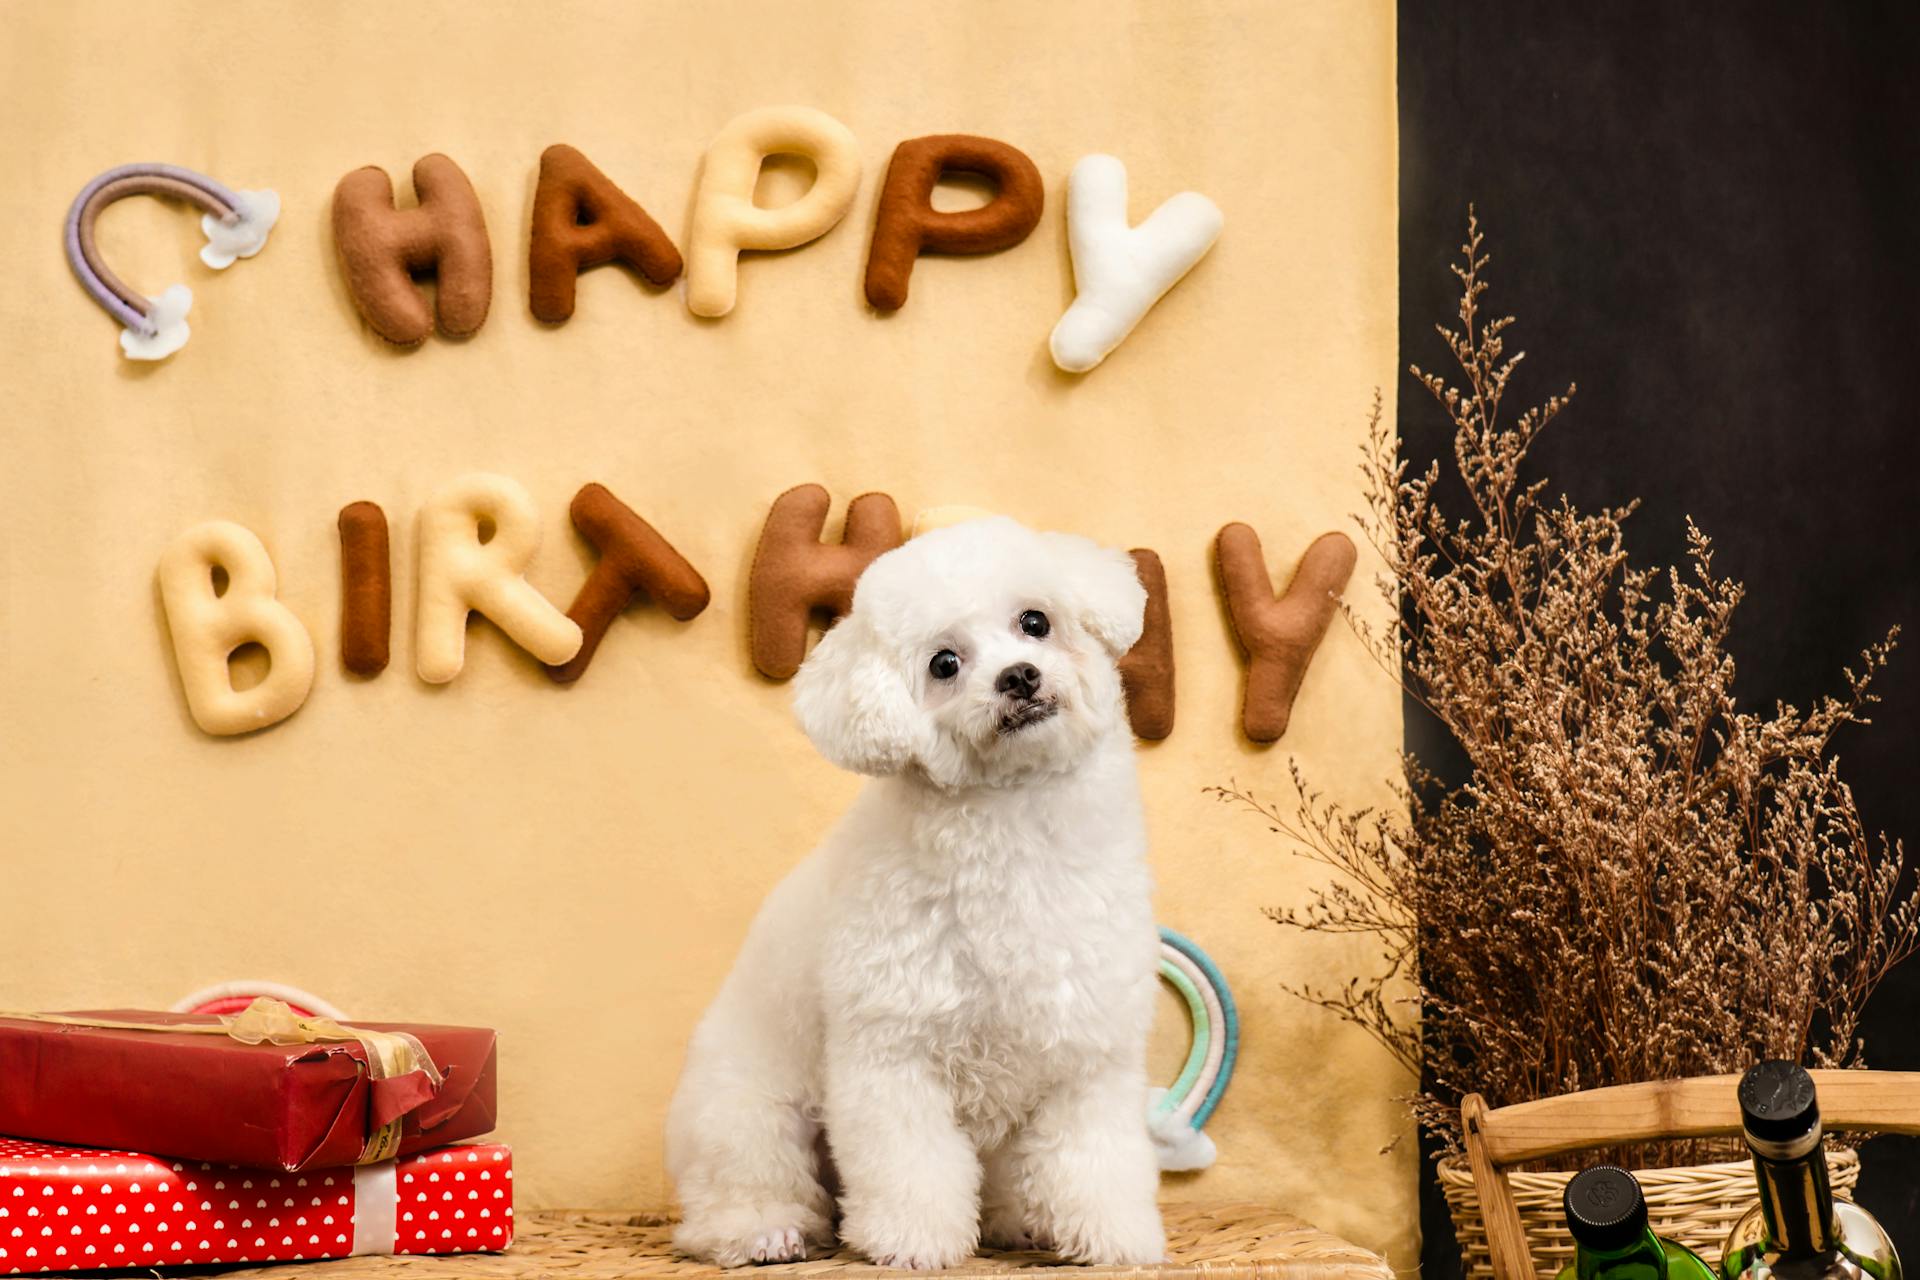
<point>1204,1242</point>
<point>1696,1206</point>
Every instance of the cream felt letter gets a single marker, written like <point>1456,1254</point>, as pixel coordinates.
<point>725,218</point>
<point>217,586</point>
<point>477,536</point>
<point>1119,271</point>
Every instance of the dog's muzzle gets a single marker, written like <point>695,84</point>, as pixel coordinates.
<point>1028,713</point>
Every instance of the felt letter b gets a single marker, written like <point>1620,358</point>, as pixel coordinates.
<point>477,536</point>
<point>725,218</point>
<point>217,586</point>
<point>380,248</point>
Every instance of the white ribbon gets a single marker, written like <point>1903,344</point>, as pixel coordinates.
<point>376,1209</point>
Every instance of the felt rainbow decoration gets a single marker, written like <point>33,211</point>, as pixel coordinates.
<point>1176,1115</point>
<point>236,224</point>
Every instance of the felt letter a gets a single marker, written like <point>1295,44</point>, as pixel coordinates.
<point>477,536</point>
<point>580,220</point>
<point>380,248</point>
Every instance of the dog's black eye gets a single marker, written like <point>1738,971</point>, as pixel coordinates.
<point>1035,624</point>
<point>945,665</point>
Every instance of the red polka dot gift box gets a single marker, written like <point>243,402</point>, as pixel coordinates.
<point>73,1208</point>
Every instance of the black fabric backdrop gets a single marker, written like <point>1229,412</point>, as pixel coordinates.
<point>1706,216</point>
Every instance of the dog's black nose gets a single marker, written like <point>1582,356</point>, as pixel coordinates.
<point>1022,679</point>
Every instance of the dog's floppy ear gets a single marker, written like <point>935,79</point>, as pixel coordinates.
<point>1112,604</point>
<point>853,703</point>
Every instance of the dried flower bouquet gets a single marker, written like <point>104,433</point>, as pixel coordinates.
<point>1632,878</point>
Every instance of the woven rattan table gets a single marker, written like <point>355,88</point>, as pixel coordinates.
<point>1218,1242</point>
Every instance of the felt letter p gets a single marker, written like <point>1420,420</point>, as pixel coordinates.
<point>725,218</point>
<point>909,225</point>
<point>210,618</point>
<point>464,568</point>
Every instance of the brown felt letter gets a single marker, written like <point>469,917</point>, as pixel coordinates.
<point>366,589</point>
<point>1147,670</point>
<point>381,248</point>
<point>1279,636</point>
<point>633,559</point>
<point>908,225</point>
<point>795,574</point>
<point>581,220</point>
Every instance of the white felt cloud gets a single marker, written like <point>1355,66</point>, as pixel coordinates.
<point>208,619</point>
<point>1179,1146</point>
<point>259,210</point>
<point>1120,271</point>
<point>168,315</point>
<point>477,537</point>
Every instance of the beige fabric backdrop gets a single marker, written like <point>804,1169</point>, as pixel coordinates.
<point>575,866</point>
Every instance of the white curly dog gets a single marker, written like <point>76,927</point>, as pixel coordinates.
<point>957,985</point>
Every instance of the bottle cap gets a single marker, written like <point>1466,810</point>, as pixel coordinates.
<point>1777,1103</point>
<point>1605,1210</point>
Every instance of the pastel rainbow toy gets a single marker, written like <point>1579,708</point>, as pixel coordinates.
<point>236,224</point>
<point>1177,1114</point>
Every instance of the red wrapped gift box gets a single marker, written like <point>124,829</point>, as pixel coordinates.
<point>69,1208</point>
<point>209,1097</point>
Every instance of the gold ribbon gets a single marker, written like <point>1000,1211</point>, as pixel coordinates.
<point>270,1021</point>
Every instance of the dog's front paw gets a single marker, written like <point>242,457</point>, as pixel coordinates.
<point>910,1245</point>
<point>753,1234</point>
<point>782,1245</point>
<point>1133,1240</point>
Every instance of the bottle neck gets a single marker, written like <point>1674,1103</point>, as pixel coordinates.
<point>1644,1259</point>
<point>1796,1201</point>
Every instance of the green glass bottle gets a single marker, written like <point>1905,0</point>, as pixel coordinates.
<point>1797,1230</point>
<point>1608,1218</point>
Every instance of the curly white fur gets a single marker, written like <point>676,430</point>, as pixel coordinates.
<point>957,985</point>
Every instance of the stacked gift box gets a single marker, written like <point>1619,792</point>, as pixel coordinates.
<point>139,1139</point>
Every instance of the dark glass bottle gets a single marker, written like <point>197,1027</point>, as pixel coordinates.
<point>1608,1218</point>
<point>1797,1230</point>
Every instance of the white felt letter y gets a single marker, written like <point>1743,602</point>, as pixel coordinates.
<point>1119,271</point>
